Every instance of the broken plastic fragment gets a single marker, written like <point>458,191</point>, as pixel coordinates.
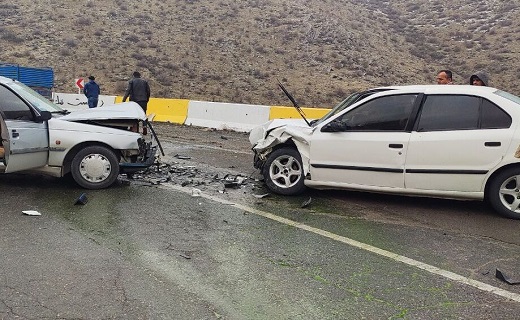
<point>82,199</point>
<point>307,203</point>
<point>178,156</point>
<point>196,192</point>
<point>31,213</point>
<point>500,275</point>
<point>260,196</point>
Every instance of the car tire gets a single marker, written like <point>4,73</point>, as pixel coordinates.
<point>504,193</point>
<point>283,172</point>
<point>95,167</point>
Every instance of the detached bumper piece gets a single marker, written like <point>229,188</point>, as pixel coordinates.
<point>132,167</point>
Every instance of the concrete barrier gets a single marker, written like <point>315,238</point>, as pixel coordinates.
<point>74,101</point>
<point>166,110</point>
<point>237,117</point>
<point>279,112</point>
<point>217,115</point>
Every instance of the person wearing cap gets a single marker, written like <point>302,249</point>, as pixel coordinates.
<point>479,78</point>
<point>138,90</point>
<point>91,91</point>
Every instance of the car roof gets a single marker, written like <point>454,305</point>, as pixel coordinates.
<point>438,89</point>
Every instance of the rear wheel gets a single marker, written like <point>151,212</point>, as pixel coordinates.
<point>95,167</point>
<point>283,172</point>
<point>504,193</point>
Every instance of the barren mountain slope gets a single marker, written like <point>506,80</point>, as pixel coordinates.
<point>234,51</point>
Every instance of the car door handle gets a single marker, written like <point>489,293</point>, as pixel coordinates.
<point>492,144</point>
<point>395,145</point>
<point>15,134</point>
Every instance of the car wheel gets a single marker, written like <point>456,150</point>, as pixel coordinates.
<point>95,167</point>
<point>504,193</point>
<point>283,172</point>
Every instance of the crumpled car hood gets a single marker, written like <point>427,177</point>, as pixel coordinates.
<point>275,132</point>
<point>258,133</point>
<point>125,110</point>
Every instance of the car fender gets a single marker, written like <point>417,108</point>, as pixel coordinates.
<point>300,136</point>
<point>64,135</point>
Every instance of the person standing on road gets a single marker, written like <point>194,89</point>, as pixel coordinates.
<point>138,90</point>
<point>479,78</point>
<point>91,91</point>
<point>445,77</point>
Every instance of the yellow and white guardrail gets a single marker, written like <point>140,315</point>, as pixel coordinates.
<point>217,115</point>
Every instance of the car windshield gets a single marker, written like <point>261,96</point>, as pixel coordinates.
<point>35,99</point>
<point>350,100</point>
<point>342,105</point>
<point>508,96</point>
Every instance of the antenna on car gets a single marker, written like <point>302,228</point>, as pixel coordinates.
<point>295,104</point>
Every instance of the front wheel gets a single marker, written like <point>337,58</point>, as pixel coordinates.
<point>504,193</point>
<point>283,172</point>
<point>95,167</point>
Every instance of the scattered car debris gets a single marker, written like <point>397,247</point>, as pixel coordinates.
<point>260,196</point>
<point>31,213</point>
<point>306,203</point>
<point>196,192</point>
<point>233,181</point>
<point>178,156</point>
<point>82,199</point>
<point>502,276</point>
<point>186,255</point>
<point>223,138</point>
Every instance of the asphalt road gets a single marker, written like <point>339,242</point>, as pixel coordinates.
<point>176,243</point>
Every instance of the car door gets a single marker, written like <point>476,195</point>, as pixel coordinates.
<point>371,149</point>
<point>456,141</point>
<point>25,140</point>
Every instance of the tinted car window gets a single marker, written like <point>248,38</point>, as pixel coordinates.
<point>453,112</point>
<point>13,107</point>
<point>449,112</point>
<point>389,113</point>
<point>493,117</point>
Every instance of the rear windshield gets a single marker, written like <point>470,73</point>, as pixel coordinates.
<point>508,96</point>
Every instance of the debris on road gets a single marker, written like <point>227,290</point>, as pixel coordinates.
<point>31,213</point>
<point>178,156</point>
<point>502,276</point>
<point>82,199</point>
<point>306,203</point>
<point>196,192</point>
<point>260,196</point>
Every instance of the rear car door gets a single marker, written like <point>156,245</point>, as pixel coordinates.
<point>371,150</point>
<point>456,141</point>
<point>25,140</point>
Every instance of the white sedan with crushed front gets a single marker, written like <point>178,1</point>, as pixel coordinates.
<point>93,145</point>
<point>459,142</point>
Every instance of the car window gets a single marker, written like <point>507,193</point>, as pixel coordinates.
<point>388,113</point>
<point>493,117</point>
<point>12,106</point>
<point>460,112</point>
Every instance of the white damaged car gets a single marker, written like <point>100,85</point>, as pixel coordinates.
<point>93,145</point>
<point>458,142</point>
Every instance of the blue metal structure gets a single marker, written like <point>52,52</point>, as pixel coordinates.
<point>40,79</point>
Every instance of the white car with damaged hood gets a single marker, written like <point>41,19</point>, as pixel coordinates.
<point>458,142</point>
<point>93,145</point>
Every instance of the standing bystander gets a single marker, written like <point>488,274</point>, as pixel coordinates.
<point>138,90</point>
<point>479,78</point>
<point>91,91</point>
<point>445,77</point>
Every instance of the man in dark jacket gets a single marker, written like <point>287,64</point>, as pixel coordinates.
<point>91,91</point>
<point>138,90</point>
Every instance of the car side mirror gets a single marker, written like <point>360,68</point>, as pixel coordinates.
<point>335,126</point>
<point>44,116</point>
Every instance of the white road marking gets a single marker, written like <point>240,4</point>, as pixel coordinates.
<point>394,256</point>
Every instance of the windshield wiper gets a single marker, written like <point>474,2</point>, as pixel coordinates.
<point>295,104</point>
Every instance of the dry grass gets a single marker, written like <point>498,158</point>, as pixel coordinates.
<point>234,51</point>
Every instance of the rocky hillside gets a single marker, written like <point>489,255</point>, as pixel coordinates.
<point>234,51</point>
